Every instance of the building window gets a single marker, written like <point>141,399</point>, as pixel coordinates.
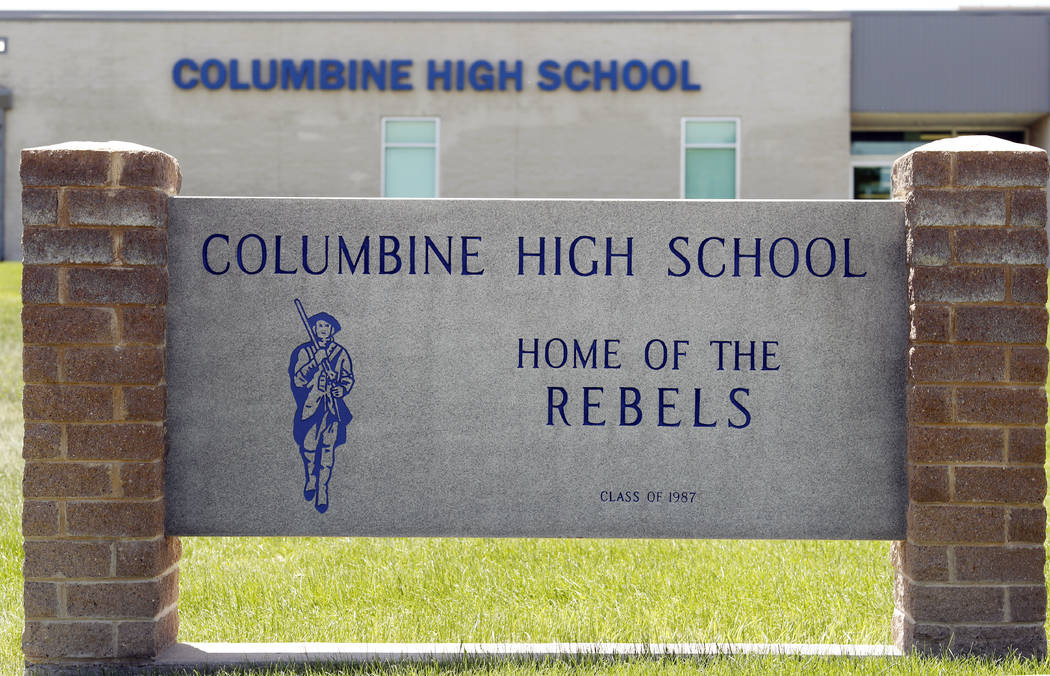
<point>872,154</point>
<point>871,180</point>
<point>710,157</point>
<point>410,157</point>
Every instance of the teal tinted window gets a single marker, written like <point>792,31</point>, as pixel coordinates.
<point>410,172</point>
<point>410,156</point>
<point>709,159</point>
<point>411,131</point>
<point>710,132</point>
<point>710,173</point>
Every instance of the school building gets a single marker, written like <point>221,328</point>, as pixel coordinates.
<point>642,105</point>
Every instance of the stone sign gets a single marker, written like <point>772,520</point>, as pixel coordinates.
<point>536,368</point>
<point>529,368</point>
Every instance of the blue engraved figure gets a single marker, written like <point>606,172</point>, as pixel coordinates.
<point>322,376</point>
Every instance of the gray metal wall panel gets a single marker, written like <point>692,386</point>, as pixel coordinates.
<point>951,62</point>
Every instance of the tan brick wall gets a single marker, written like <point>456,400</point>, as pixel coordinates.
<point>101,579</point>
<point>969,578</point>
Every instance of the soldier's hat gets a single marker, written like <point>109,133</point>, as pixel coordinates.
<point>324,316</point>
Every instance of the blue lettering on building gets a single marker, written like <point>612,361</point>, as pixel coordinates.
<point>438,75</point>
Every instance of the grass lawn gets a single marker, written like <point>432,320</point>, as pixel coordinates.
<point>474,590</point>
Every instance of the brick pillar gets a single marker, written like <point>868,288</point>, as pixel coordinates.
<point>969,578</point>
<point>101,579</point>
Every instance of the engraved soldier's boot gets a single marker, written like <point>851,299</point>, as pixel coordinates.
<point>310,466</point>
<point>322,490</point>
<point>324,474</point>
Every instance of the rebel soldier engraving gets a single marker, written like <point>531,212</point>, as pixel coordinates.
<point>322,376</point>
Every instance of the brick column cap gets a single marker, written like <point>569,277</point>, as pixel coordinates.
<point>100,163</point>
<point>970,162</point>
<point>979,143</point>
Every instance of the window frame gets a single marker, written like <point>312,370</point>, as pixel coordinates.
<point>436,145</point>
<point>875,162</point>
<point>735,147</point>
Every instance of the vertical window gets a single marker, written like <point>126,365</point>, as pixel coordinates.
<point>410,157</point>
<point>710,158</point>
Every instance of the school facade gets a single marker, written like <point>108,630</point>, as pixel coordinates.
<point>505,105</point>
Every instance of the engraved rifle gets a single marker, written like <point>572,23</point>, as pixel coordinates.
<point>329,371</point>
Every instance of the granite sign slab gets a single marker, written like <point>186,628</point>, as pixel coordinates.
<point>536,368</point>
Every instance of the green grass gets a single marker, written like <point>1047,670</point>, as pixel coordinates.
<point>474,590</point>
<point>10,468</point>
<point>535,590</point>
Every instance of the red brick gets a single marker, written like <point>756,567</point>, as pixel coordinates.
<point>955,444</point>
<point>64,166</point>
<point>39,206</point>
<point>928,483</point>
<point>115,518</point>
<point>66,479</point>
<point>41,441</point>
<point>948,524</point>
<point>1001,404</point>
<point>999,640</point>
<point>39,364</point>
<point>146,639</point>
<point>1000,168</point>
<point>60,325</point>
<point>142,324</point>
<point>1001,324</point>
<point>1027,524</point>
<point>949,603</point>
<point>72,403</point>
<point>1027,604</point>
<point>115,286</point>
<point>956,363</point>
<point>923,564</point>
<point>930,323</point>
<point>1028,364</point>
<point>150,169</point>
<point>39,284</point>
<point>117,364</point>
<point>142,479</point>
<point>116,442</point>
<point>122,599</point>
<point>40,599</point>
<point>920,637</point>
<point>999,564</point>
<point>40,518</point>
<point>928,246</point>
<point>922,168</point>
<point>1014,246</point>
<point>68,558</point>
<point>1028,284</point>
<point>72,640</point>
<point>925,206</point>
<point>1028,208</point>
<point>147,558</point>
<point>67,245</point>
<point>1016,485</point>
<point>144,403</point>
<point>147,246</point>
<point>117,206</point>
<point>955,284</point>
<point>929,404</point>
<point>1027,445</point>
